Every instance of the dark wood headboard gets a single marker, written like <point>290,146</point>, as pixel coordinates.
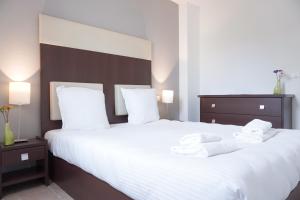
<point>76,65</point>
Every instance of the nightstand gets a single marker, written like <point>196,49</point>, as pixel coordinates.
<point>23,162</point>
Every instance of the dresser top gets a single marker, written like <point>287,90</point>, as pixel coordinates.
<point>250,96</point>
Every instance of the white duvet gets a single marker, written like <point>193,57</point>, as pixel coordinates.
<point>136,160</point>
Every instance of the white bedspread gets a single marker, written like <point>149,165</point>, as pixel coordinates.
<point>136,160</point>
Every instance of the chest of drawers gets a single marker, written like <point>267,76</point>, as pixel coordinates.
<point>241,109</point>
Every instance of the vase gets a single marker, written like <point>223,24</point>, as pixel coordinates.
<point>9,137</point>
<point>277,89</point>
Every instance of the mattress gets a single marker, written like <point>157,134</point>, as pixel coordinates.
<point>136,160</point>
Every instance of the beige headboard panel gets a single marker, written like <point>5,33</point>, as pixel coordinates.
<point>60,32</point>
<point>120,108</point>
<point>54,108</point>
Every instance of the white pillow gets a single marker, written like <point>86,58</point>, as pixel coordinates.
<point>82,108</point>
<point>141,105</point>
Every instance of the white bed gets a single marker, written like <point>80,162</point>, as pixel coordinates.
<point>136,160</point>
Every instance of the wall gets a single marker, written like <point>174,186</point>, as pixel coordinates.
<point>155,20</point>
<point>242,42</point>
<point>188,58</point>
<point>193,59</point>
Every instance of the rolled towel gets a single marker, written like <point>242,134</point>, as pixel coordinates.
<point>253,138</point>
<point>257,126</point>
<point>186,149</point>
<point>197,138</point>
<point>204,150</point>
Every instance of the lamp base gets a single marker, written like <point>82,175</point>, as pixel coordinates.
<point>21,140</point>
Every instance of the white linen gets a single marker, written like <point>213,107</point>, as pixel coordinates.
<point>204,150</point>
<point>136,160</point>
<point>141,105</point>
<point>190,150</point>
<point>257,126</point>
<point>196,138</point>
<point>82,108</point>
<point>120,108</point>
<point>254,138</point>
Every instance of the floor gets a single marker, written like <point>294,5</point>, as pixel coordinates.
<point>35,191</point>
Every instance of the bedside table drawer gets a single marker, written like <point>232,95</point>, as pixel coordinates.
<point>22,155</point>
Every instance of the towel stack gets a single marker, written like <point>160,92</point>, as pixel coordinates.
<point>256,131</point>
<point>203,145</point>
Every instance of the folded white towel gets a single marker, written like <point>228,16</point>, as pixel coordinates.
<point>254,138</point>
<point>197,138</point>
<point>257,126</point>
<point>186,149</point>
<point>204,150</point>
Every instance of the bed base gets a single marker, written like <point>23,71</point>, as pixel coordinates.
<point>81,185</point>
<point>295,194</point>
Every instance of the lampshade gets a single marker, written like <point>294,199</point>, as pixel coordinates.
<point>167,96</point>
<point>19,93</point>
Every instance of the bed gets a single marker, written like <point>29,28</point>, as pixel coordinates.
<point>136,160</point>
<point>127,162</point>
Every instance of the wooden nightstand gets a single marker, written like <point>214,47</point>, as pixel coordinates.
<point>23,162</point>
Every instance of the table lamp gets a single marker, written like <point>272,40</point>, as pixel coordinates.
<point>167,98</point>
<point>19,95</point>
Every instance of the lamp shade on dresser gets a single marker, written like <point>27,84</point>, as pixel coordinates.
<point>241,109</point>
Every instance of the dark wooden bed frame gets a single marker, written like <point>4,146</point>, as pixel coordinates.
<point>75,65</point>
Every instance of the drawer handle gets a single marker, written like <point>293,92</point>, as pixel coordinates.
<point>24,156</point>
<point>261,107</point>
<point>213,121</point>
<point>213,105</point>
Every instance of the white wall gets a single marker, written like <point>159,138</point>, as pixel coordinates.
<point>242,42</point>
<point>188,59</point>
<point>193,61</point>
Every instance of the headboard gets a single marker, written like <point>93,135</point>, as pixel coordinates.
<point>74,65</point>
<point>66,64</point>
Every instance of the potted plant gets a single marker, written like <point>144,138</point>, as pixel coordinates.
<point>9,137</point>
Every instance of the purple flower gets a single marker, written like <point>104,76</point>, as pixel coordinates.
<point>279,73</point>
